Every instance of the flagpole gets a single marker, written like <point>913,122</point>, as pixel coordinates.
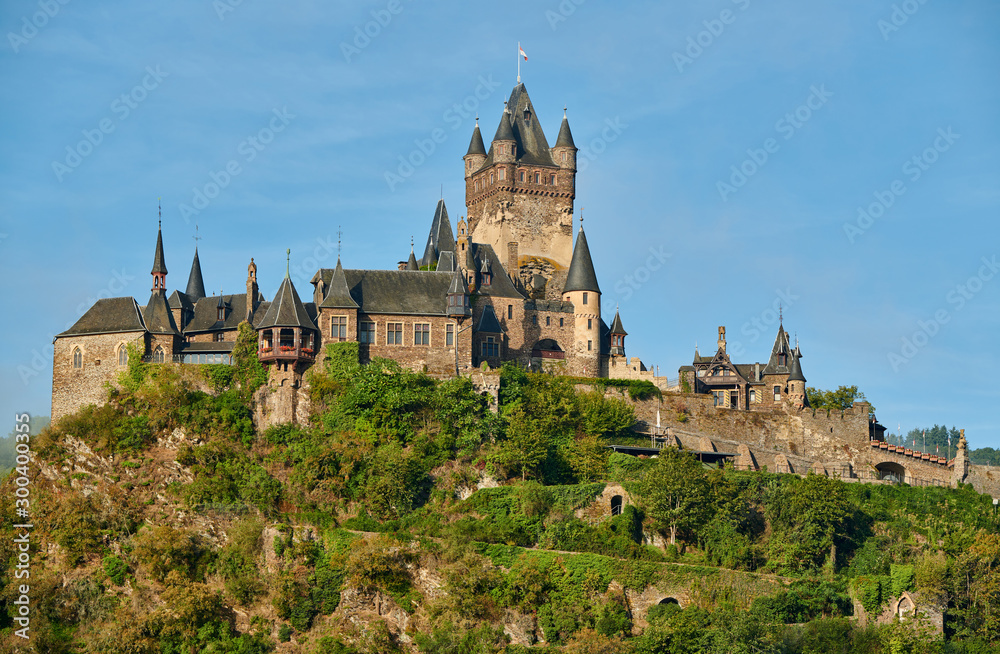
<point>518,62</point>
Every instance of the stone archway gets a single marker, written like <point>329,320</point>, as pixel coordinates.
<point>669,600</point>
<point>891,471</point>
<point>546,351</point>
<point>616,505</point>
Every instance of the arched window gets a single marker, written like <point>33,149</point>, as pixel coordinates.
<point>158,355</point>
<point>77,358</point>
<point>122,355</point>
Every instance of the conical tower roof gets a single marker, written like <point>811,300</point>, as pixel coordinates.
<point>411,263</point>
<point>159,263</point>
<point>196,286</point>
<point>457,284</point>
<point>476,145</point>
<point>795,370</point>
<point>504,130</point>
<point>616,326</point>
<point>441,238</point>
<point>581,276</point>
<point>339,294</point>
<point>780,347</point>
<point>565,138</point>
<point>287,309</point>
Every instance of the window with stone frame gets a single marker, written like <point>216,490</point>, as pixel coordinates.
<point>449,335</point>
<point>719,398</point>
<point>510,311</point>
<point>122,355</point>
<point>753,396</point>
<point>338,328</point>
<point>393,333</point>
<point>585,298</point>
<point>537,177</point>
<point>158,355</point>
<point>421,334</point>
<point>777,393</point>
<point>491,348</point>
<point>218,337</point>
<point>552,179</point>
<point>77,358</point>
<point>366,332</point>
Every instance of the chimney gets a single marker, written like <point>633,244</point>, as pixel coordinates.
<point>251,289</point>
<point>722,338</point>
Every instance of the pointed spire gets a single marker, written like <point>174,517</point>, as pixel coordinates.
<point>565,138</point>
<point>159,263</point>
<point>504,130</point>
<point>476,145</point>
<point>795,371</point>
<point>581,276</point>
<point>287,310</point>
<point>288,258</point>
<point>411,263</point>
<point>196,285</point>
<point>616,327</point>
<point>441,238</point>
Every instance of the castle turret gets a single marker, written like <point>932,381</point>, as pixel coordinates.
<point>564,151</point>
<point>459,306</point>
<point>159,271</point>
<point>582,290</point>
<point>465,262</point>
<point>504,145</point>
<point>161,328</point>
<point>252,291</point>
<point>617,335</point>
<point>411,263</point>
<point>441,239</point>
<point>797,381</point>
<point>477,152</point>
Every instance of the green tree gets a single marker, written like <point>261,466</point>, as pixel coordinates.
<point>525,447</point>
<point>675,492</point>
<point>249,372</point>
<point>805,517</point>
<point>841,399</point>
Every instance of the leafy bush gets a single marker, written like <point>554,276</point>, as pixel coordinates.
<point>115,569</point>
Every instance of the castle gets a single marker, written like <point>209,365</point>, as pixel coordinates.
<point>509,284</point>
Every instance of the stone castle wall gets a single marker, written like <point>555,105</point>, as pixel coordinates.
<point>75,388</point>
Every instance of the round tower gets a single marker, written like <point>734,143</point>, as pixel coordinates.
<point>583,291</point>
<point>564,151</point>
<point>476,155</point>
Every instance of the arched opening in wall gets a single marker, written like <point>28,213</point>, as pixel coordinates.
<point>664,608</point>
<point>891,471</point>
<point>616,505</point>
<point>158,355</point>
<point>669,600</point>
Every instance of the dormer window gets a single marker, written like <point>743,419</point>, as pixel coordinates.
<point>781,359</point>
<point>487,279</point>
<point>222,313</point>
<point>527,116</point>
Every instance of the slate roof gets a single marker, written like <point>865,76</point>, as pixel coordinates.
<point>795,370</point>
<point>338,296</point>
<point>488,322</point>
<point>179,300</point>
<point>287,310</point>
<point>457,284</point>
<point>403,292</point>
<point>159,263</point>
<point>206,312</point>
<point>411,263</point>
<point>476,145</point>
<point>504,130</point>
<point>441,239</point>
<point>196,285</point>
<point>116,314</point>
<point>214,346</point>
<point>581,276</point>
<point>532,147</point>
<point>157,316</point>
<point>616,325</point>
<point>446,262</point>
<point>565,138</point>
<point>781,346</point>
<point>500,284</point>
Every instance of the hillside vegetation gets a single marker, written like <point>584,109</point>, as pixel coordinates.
<point>410,515</point>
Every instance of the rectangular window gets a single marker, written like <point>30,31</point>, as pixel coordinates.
<point>366,332</point>
<point>449,335</point>
<point>590,345</point>
<point>552,179</point>
<point>734,399</point>
<point>560,322</point>
<point>590,323</point>
<point>501,173</point>
<point>548,321</point>
<point>490,347</point>
<point>222,313</point>
<point>719,398</point>
<point>421,334</point>
<point>585,298</point>
<point>522,175</point>
<point>510,311</point>
<point>338,328</point>
<point>393,333</point>
<point>536,178</point>
<point>218,336</point>
<point>534,320</point>
<point>753,396</point>
<point>777,393</point>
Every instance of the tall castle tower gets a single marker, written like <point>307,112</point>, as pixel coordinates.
<point>519,195</point>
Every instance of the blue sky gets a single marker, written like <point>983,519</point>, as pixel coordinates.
<point>730,147</point>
